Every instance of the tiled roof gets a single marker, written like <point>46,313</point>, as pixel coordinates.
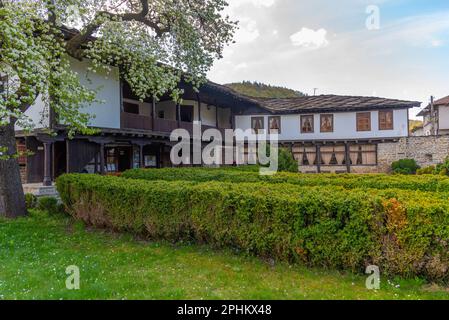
<point>331,103</point>
<point>441,102</point>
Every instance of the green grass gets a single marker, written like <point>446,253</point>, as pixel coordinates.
<point>35,251</point>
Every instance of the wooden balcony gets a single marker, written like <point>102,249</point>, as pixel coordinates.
<point>135,121</point>
<point>164,125</point>
<point>139,122</point>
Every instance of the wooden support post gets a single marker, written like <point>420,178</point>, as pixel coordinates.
<point>153,113</point>
<point>47,164</point>
<point>198,99</point>
<point>347,158</point>
<point>142,163</point>
<point>102,162</point>
<point>178,114</point>
<point>318,158</point>
<point>216,116</point>
<point>159,156</point>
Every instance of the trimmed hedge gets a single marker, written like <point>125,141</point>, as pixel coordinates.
<point>405,233</point>
<point>348,181</point>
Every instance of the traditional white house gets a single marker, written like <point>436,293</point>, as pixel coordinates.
<point>436,118</point>
<point>326,133</point>
<point>330,133</point>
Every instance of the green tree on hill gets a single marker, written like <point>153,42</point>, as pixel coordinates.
<point>261,90</point>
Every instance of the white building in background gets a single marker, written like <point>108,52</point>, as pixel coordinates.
<point>331,133</point>
<point>436,118</point>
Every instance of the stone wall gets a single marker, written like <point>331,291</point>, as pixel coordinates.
<point>427,151</point>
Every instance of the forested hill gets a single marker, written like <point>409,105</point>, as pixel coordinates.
<point>261,90</point>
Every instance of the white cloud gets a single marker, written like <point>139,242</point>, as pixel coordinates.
<point>436,43</point>
<point>247,31</point>
<point>308,38</point>
<point>256,3</point>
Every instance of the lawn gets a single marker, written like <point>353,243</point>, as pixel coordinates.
<point>36,250</point>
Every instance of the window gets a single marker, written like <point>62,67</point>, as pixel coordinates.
<point>327,123</point>
<point>186,113</point>
<point>130,108</point>
<point>274,124</point>
<point>161,114</point>
<point>21,150</point>
<point>386,120</point>
<point>307,124</point>
<point>364,121</point>
<point>363,155</point>
<point>257,124</point>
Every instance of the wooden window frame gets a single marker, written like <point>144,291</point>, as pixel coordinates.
<point>321,122</point>
<point>126,103</point>
<point>313,123</point>
<point>359,114</point>
<point>392,118</point>
<point>279,122</point>
<point>263,124</point>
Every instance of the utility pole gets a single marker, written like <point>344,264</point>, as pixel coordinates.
<point>432,116</point>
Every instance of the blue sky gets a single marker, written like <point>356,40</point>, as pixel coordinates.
<point>326,44</point>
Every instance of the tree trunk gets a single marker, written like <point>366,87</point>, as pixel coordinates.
<point>12,199</point>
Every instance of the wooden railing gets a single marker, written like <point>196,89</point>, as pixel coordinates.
<point>135,121</point>
<point>139,122</point>
<point>164,125</point>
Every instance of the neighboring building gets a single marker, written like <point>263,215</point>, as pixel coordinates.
<point>436,118</point>
<point>331,133</point>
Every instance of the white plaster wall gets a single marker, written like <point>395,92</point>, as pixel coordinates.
<point>344,126</point>
<point>107,114</point>
<point>36,115</point>
<point>169,108</point>
<point>443,114</point>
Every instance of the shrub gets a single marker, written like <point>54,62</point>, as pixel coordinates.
<point>348,181</point>
<point>405,166</point>
<point>426,170</point>
<point>443,168</point>
<point>403,232</point>
<point>30,200</point>
<point>48,204</point>
<point>286,161</point>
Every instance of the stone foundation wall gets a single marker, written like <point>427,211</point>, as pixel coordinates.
<point>427,151</point>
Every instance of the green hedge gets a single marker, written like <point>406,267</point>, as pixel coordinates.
<point>348,181</point>
<point>406,233</point>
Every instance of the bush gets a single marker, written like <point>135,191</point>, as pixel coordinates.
<point>405,166</point>
<point>348,181</point>
<point>426,170</point>
<point>30,201</point>
<point>286,161</point>
<point>48,204</point>
<point>403,232</point>
<point>443,168</point>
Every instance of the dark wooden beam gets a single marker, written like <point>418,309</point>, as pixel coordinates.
<point>47,164</point>
<point>153,112</point>
<point>102,162</point>
<point>347,158</point>
<point>318,158</point>
<point>198,99</point>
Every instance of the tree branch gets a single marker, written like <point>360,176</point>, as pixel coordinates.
<point>74,45</point>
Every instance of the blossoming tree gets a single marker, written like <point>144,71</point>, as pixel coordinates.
<point>153,42</point>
